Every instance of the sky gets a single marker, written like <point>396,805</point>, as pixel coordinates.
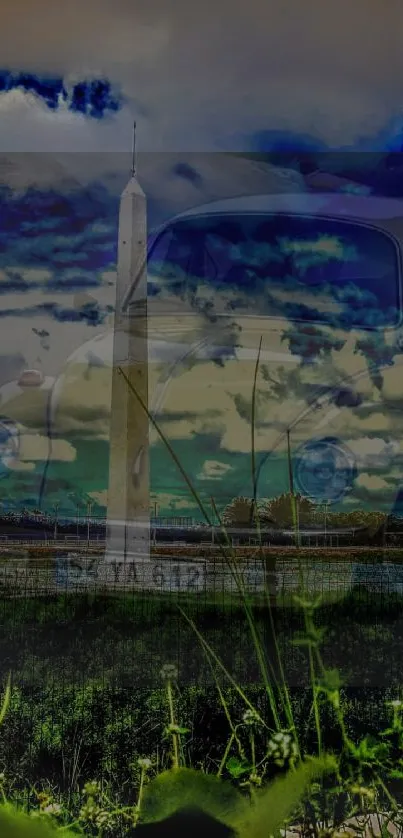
<point>201,81</point>
<point>208,77</point>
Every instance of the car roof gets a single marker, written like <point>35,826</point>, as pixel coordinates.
<point>342,204</point>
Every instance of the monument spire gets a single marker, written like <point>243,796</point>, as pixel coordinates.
<point>128,515</point>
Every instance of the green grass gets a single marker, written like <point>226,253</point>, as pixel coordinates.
<point>126,638</point>
<point>81,707</point>
<point>122,708</point>
<point>59,733</point>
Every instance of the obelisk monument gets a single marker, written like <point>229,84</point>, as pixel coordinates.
<point>128,516</point>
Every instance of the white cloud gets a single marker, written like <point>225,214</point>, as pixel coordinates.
<point>323,303</point>
<point>392,389</point>
<point>34,447</point>
<point>372,483</point>
<point>202,400</point>
<point>27,274</point>
<point>100,497</point>
<point>16,336</point>
<point>213,470</point>
<point>348,424</point>
<point>333,69</point>
<point>373,452</point>
<point>176,503</point>
<point>82,401</point>
<point>19,465</point>
<point>16,333</point>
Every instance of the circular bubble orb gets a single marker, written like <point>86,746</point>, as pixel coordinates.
<point>325,470</point>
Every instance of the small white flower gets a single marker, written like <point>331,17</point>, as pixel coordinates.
<point>92,788</point>
<point>52,809</point>
<point>169,672</point>
<point>282,747</point>
<point>250,718</point>
<point>89,811</point>
<point>103,818</point>
<point>144,762</point>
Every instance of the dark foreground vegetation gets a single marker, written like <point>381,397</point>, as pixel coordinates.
<point>87,700</point>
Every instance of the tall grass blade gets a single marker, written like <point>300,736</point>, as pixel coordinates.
<point>6,699</point>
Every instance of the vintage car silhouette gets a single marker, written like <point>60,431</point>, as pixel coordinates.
<point>305,292</point>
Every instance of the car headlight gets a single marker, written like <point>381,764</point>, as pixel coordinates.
<point>9,445</point>
<point>325,469</point>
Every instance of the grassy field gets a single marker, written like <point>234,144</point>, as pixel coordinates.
<point>320,553</point>
<point>200,552</point>
<point>127,638</point>
<point>87,698</point>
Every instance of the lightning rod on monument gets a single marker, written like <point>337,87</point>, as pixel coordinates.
<point>134,151</point>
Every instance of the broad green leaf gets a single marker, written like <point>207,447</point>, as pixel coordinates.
<point>237,768</point>
<point>331,680</point>
<point>275,804</point>
<point>175,790</point>
<point>177,729</point>
<point>17,824</point>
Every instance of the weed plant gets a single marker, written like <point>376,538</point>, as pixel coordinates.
<point>268,776</point>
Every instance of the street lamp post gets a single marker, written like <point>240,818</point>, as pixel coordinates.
<point>155,521</point>
<point>297,518</point>
<point>89,509</point>
<point>294,500</point>
<point>56,521</point>
<point>212,523</point>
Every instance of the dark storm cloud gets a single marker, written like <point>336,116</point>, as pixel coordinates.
<point>311,153</point>
<point>346,397</point>
<point>86,414</point>
<point>74,235</point>
<point>62,282</point>
<point>375,349</point>
<point>91,313</point>
<point>72,280</point>
<point>377,354</point>
<point>285,146</point>
<point>311,343</point>
<point>187,172</point>
<point>93,98</point>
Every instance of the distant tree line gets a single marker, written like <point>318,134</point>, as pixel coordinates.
<point>274,518</point>
<point>277,514</point>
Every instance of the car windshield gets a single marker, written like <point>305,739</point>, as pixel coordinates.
<point>298,267</point>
